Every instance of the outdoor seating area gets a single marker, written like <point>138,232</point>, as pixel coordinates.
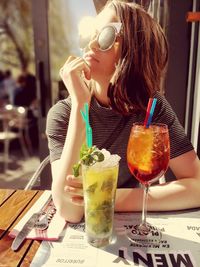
<point>19,170</point>
<point>14,122</point>
<point>18,157</point>
<point>99,133</point>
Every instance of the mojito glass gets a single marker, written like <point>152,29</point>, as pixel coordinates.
<point>99,186</point>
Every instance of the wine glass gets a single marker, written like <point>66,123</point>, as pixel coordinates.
<point>148,153</point>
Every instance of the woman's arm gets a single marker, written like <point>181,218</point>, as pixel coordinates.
<point>72,75</point>
<point>180,194</point>
<point>63,167</point>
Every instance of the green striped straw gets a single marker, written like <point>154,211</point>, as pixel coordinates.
<point>85,116</point>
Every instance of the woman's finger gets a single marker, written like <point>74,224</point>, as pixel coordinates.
<point>79,201</point>
<point>87,71</point>
<point>73,191</point>
<point>70,58</point>
<point>74,181</point>
<point>76,63</point>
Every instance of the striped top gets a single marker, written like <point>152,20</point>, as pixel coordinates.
<point>111,131</point>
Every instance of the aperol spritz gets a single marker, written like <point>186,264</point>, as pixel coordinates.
<point>148,155</point>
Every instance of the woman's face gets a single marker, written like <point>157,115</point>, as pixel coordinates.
<point>102,63</point>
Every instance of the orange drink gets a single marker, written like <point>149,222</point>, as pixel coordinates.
<point>148,152</point>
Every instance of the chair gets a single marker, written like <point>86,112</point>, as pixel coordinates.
<point>14,126</point>
<point>37,173</point>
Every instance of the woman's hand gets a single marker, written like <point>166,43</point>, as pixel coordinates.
<point>74,73</point>
<point>74,190</point>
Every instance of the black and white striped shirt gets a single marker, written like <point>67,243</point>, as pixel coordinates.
<point>111,131</point>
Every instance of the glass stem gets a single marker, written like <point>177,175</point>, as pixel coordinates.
<point>144,206</point>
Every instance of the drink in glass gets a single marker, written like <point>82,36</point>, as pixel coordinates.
<point>148,155</point>
<point>99,186</point>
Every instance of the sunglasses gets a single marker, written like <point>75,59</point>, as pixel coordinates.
<point>105,38</point>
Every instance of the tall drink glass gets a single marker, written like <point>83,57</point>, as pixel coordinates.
<point>99,187</point>
<point>148,155</point>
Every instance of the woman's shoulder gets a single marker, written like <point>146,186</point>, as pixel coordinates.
<point>163,106</point>
<point>59,112</point>
<point>62,107</point>
<point>160,97</point>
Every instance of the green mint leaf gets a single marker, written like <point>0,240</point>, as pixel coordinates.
<point>88,157</point>
<point>83,151</point>
<point>91,189</point>
<point>76,168</point>
<point>98,156</point>
<point>107,185</point>
<point>104,205</point>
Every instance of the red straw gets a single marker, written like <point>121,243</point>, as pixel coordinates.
<point>148,111</point>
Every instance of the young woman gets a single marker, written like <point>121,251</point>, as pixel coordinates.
<point>123,66</point>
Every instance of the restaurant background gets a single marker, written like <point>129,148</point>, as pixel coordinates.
<point>41,34</point>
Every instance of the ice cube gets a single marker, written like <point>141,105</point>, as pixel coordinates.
<point>106,154</point>
<point>109,160</point>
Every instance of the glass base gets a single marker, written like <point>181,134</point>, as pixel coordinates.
<point>99,242</point>
<point>144,235</point>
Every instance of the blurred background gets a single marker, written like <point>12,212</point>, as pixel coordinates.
<point>37,36</point>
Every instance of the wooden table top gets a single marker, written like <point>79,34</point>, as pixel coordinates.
<point>13,205</point>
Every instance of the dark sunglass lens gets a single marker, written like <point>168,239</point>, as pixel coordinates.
<point>106,38</point>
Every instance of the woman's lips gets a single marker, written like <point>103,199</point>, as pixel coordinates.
<point>89,57</point>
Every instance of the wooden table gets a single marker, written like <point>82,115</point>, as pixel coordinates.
<point>13,205</point>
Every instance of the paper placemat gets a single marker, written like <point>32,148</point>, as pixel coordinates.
<point>52,233</point>
<point>179,245</point>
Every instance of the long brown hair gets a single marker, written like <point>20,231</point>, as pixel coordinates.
<point>143,60</point>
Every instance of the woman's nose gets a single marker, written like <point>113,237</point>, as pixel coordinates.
<point>93,44</point>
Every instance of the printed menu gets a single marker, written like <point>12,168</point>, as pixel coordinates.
<point>179,245</point>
